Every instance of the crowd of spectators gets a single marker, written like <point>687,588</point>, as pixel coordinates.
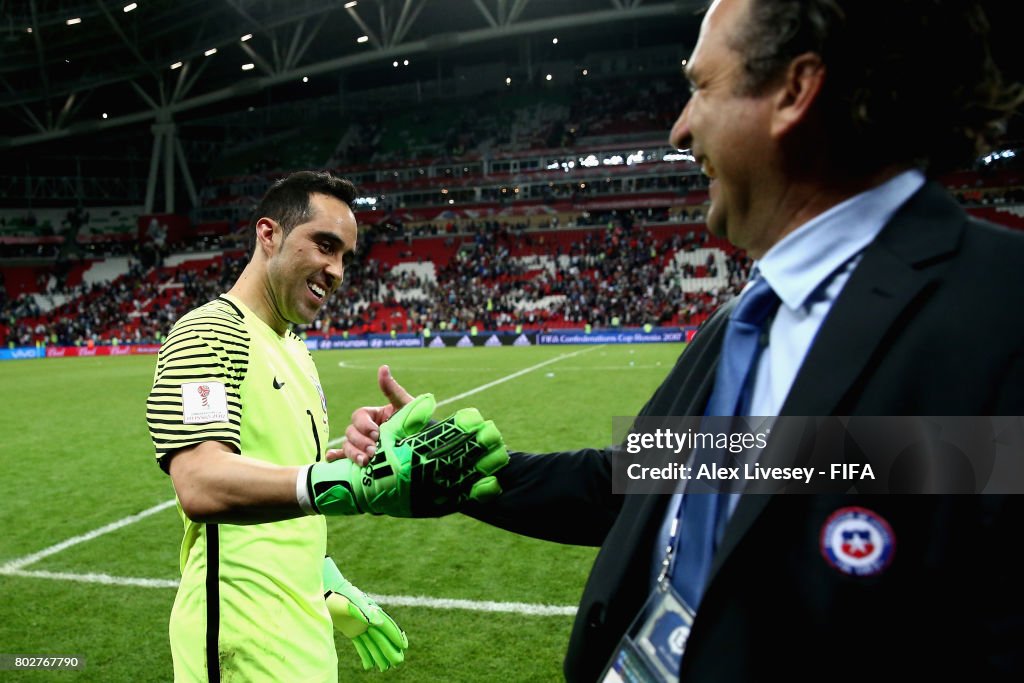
<point>133,308</point>
<point>614,276</point>
<point>91,310</point>
<point>625,105</point>
<point>619,276</point>
<point>610,278</point>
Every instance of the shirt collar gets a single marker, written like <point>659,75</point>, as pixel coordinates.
<point>804,259</point>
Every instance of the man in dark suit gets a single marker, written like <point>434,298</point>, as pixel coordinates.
<point>818,123</point>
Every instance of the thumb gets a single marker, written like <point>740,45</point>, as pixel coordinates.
<point>390,387</point>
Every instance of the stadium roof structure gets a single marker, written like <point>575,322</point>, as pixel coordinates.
<point>71,67</point>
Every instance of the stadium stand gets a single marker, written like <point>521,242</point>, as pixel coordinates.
<point>656,265</point>
<point>534,210</point>
<point>506,278</point>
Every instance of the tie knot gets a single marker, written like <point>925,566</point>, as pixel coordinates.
<point>756,303</point>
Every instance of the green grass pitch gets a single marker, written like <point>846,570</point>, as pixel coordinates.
<point>76,457</point>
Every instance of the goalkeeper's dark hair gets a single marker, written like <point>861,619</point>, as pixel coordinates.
<point>287,200</point>
<point>906,80</point>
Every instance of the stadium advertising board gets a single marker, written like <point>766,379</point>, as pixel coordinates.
<point>465,339</point>
<point>619,337</point>
<point>402,341</point>
<point>84,351</point>
<point>19,353</point>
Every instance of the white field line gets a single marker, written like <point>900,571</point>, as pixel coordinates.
<point>387,600</point>
<point>477,605</point>
<point>22,562</point>
<point>104,579</point>
<point>14,567</point>
<point>500,380</point>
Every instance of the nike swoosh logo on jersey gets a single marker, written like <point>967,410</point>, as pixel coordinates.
<point>278,385</point>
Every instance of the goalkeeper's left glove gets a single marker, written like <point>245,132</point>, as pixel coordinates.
<point>375,635</point>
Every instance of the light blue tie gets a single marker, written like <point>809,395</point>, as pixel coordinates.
<point>731,396</point>
<point>741,349</point>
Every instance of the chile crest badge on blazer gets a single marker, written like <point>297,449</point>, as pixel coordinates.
<point>857,542</point>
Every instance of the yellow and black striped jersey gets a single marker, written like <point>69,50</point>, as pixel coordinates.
<point>250,604</point>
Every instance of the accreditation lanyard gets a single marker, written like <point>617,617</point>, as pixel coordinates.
<point>671,548</point>
<point>652,648</point>
<point>703,532</point>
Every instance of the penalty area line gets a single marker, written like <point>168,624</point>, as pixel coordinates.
<point>525,608</point>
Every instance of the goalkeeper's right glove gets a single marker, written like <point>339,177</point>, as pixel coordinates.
<point>417,470</point>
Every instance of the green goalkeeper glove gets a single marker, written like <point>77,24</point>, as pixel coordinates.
<point>417,470</point>
<point>375,635</point>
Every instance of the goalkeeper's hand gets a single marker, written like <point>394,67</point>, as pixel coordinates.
<point>417,470</point>
<point>375,635</point>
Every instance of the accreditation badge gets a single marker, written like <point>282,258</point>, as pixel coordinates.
<point>653,646</point>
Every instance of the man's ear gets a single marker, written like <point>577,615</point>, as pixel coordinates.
<point>265,230</point>
<point>801,85</point>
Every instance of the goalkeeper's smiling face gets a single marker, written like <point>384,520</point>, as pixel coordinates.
<point>307,265</point>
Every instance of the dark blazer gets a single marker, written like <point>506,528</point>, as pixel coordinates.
<point>931,322</point>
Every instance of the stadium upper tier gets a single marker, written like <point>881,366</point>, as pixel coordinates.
<point>516,146</point>
<point>521,191</point>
